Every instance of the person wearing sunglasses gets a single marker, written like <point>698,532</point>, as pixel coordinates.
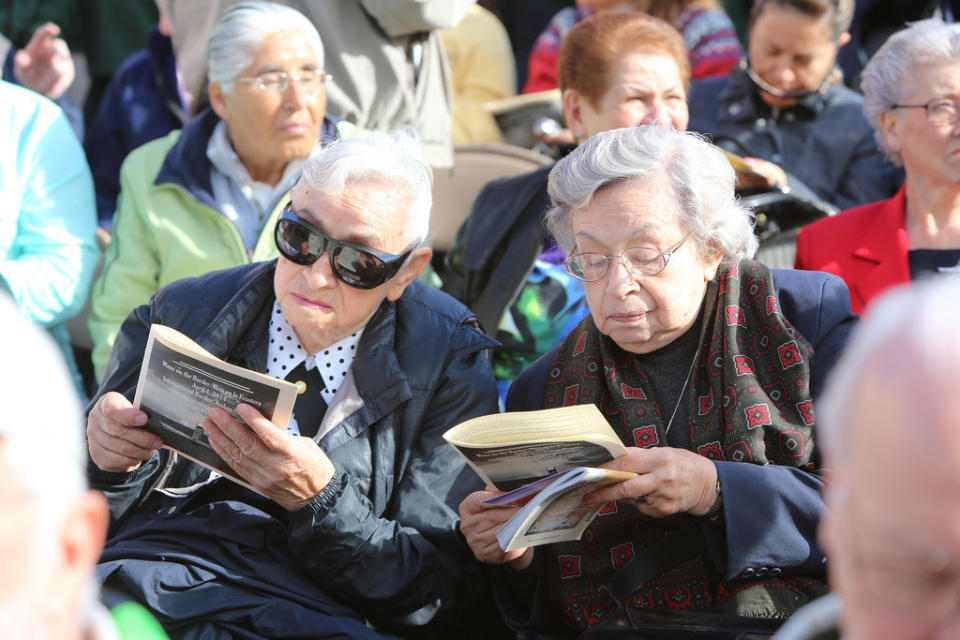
<point>207,198</point>
<point>707,365</point>
<point>912,98</point>
<point>787,112</point>
<point>352,531</point>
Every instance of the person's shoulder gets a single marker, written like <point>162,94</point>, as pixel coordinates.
<point>520,182</point>
<point>527,390</point>
<point>136,68</point>
<point>433,320</point>
<point>420,300</point>
<point>215,288</point>
<point>829,229</point>
<point>24,109</point>
<point>149,157</point>
<point>811,300</point>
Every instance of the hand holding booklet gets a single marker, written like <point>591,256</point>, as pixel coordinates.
<point>180,382</point>
<point>544,460</point>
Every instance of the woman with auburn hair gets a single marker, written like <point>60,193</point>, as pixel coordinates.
<point>615,70</point>
<point>708,35</point>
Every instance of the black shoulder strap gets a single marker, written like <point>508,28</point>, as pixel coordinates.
<point>672,551</point>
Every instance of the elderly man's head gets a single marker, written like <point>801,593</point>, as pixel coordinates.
<point>267,82</point>
<point>351,237</point>
<point>647,214</point>
<point>51,528</point>
<point>890,423</point>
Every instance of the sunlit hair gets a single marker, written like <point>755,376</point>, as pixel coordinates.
<point>240,32</point>
<point>592,49</point>
<point>393,160</point>
<point>888,77</point>
<point>909,336</point>
<point>838,12</point>
<point>697,173</point>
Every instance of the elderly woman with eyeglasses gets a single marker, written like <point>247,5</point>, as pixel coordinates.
<point>707,365</point>
<point>911,92</point>
<point>208,198</point>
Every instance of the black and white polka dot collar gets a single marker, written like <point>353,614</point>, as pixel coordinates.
<point>284,353</point>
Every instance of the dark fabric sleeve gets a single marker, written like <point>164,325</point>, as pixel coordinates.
<point>411,568</point>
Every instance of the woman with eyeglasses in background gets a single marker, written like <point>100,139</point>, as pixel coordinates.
<point>208,198</point>
<point>912,97</point>
<point>786,110</point>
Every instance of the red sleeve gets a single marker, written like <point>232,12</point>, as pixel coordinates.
<point>541,72</point>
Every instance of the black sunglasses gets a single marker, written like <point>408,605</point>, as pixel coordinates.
<point>353,264</point>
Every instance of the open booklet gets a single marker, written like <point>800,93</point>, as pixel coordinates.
<point>543,454</point>
<point>180,381</point>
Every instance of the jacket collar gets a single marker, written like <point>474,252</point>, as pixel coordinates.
<point>187,165</point>
<point>376,384</point>
<point>883,248</point>
<point>740,100</point>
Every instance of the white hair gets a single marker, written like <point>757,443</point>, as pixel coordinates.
<point>394,160</point>
<point>909,333</point>
<point>699,175</point>
<point>41,426</point>
<point>888,77</point>
<point>240,32</point>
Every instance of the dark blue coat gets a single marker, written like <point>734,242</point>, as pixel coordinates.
<point>380,543</point>
<point>771,513</point>
<point>141,104</point>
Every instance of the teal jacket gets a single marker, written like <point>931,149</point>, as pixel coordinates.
<point>168,226</point>
<point>48,219</point>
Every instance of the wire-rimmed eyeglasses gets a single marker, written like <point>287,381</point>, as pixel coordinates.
<point>591,266</point>
<point>308,80</point>
<point>940,111</point>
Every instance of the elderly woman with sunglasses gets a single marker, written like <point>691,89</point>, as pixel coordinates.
<point>207,198</point>
<point>786,109</point>
<point>707,365</point>
<point>354,523</point>
<point>912,97</point>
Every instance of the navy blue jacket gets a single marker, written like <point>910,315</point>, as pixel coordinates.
<point>824,142</point>
<point>140,104</point>
<point>380,543</point>
<point>771,513</point>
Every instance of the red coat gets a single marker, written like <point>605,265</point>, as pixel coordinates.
<point>867,246</point>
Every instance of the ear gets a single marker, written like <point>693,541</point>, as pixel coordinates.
<point>843,39</point>
<point>711,262</point>
<point>416,263</point>
<point>218,100</point>
<point>573,104</point>
<point>890,124</point>
<point>81,541</point>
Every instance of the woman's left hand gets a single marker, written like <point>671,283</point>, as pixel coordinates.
<point>668,481</point>
<point>290,470</point>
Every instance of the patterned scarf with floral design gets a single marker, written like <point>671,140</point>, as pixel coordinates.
<point>748,400</point>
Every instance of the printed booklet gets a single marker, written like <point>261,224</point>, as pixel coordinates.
<point>180,381</point>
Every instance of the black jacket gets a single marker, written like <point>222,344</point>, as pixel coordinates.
<point>380,543</point>
<point>496,247</point>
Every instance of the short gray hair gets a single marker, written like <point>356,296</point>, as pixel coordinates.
<point>394,159</point>
<point>700,176</point>
<point>240,32</point>
<point>909,334</point>
<point>887,78</point>
<point>41,426</point>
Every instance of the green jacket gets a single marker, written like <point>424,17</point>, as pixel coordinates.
<point>167,226</point>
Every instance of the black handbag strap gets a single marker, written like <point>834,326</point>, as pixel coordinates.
<point>672,551</point>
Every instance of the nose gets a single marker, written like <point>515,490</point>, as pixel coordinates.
<point>294,95</point>
<point>656,112</point>
<point>620,280</point>
<point>320,273</point>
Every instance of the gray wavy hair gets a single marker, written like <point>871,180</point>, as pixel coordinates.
<point>393,159</point>
<point>240,32</point>
<point>700,176</point>
<point>888,77</point>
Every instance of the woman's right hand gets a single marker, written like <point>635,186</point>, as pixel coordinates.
<point>479,523</point>
<point>114,437</point>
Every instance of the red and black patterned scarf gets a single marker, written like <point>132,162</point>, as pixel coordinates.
<point>748,400</point>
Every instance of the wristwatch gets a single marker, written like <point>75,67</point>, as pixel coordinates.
<point>717,507</point>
